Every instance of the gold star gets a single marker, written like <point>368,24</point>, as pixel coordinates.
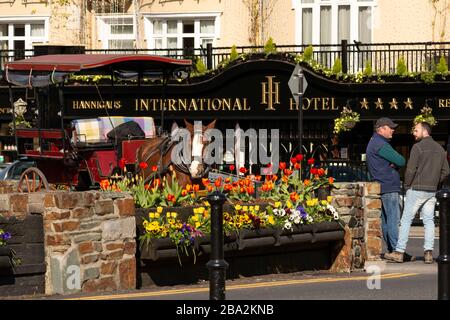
<point>379,104</point>
<point>364,104</point>
<point>393,104</point>
<point>408,104</point>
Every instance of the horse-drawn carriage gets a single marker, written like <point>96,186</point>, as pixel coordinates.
<point>80,152</point>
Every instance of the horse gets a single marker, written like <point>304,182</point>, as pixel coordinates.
<point>158,152</point>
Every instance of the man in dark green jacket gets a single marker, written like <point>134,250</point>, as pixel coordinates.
<point>383,163</point>
<point>427,167</point>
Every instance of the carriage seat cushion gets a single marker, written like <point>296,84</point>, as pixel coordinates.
<point>94,130</point>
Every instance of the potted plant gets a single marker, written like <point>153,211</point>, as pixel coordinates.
<point>346,121</point>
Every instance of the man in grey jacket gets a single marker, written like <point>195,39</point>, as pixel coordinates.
<point>426,168</point>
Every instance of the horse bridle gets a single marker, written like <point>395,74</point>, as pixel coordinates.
<point>163,147</point>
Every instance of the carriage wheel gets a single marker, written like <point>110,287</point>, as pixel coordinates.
<point>32,180</point>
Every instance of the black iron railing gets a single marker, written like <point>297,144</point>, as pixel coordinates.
<point>382,57</point>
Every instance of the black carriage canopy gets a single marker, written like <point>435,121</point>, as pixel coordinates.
<point>41,71</point>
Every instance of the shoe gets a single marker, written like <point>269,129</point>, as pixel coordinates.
<point>408,257</point>
<point>428,256</point>
<point>394,256</point>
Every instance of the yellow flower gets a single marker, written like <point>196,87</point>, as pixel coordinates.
<point>288,204</point>
<point>206,203</point>
<point>195,218</point>
<point>324,202</point>
<point>159,209</point>
<point>157,215</point>
<point>271,220</point>
<point>168,214</point>
<point>329,199</point>
<point>201,210</point>
<point>238,207</point>
<point>245,208</point>
<point>251,208</point>
<point>151,215</point>
<point>256,208</point>
<point>197,224</point>
<point>196,210</point>
<point>277,204</point>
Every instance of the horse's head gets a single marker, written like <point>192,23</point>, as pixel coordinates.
<point>198,143</point>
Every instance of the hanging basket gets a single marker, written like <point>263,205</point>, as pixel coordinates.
<point>350,125</point>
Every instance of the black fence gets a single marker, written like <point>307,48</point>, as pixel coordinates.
<point>382,57</point>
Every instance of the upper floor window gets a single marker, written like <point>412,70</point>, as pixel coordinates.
<point>330,21</point>
<point>117,32</point>
<point>19,35</point>
<point>182,31</point>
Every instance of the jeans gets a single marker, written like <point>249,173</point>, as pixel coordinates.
<point>413,201</point>
<point>390,217</point>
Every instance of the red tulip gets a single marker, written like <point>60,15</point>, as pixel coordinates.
<point>293,160</point>
<point>243,170</point>
<point>122,163</point>
<point>299,157</point>
<point>232,167</point>
<point>311,161</point>
<point>143,165</point>
<point>282,165</point>
<point>154,168</point>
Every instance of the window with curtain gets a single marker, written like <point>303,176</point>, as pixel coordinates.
<point>330,21</point>
<point>118,33</point>
<point>307,26</point>
<point>21,34</point>
<point>181,33</point>
<point>343,23</point>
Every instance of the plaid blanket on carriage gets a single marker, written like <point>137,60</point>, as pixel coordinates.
<point>96,130</point>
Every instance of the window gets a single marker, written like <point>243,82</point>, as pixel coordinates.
<point>181,31</point>
<point>117,32</point>
<point>330,21</point>
<point>19,35</point>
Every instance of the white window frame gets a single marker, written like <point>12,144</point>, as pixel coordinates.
<point>104,34</point>
<point>298,6</point>
<point>194,16</point>
<point>27,22</point>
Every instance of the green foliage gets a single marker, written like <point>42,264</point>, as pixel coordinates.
<point>401,67</point>
<point>427,77</point>
<point>200,66</point>
<point>270,47</point>
<point>442,66</point>
<point>234,54</point>
<point>337,67</point>
<point>425,116</point>
<point>368,69</point>
<point>346,120</point>
<point>308,54</point>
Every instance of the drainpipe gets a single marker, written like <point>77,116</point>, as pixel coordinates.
<point>261,12</point>
<point>136,22</point>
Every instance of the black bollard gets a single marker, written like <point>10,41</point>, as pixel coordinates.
<point>217,265</point>
<point>443,196</point>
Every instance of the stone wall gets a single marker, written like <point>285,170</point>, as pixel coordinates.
<point>359,205</point>
<point>89,238</point>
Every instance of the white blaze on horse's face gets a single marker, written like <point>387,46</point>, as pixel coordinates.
<point>196,167</point>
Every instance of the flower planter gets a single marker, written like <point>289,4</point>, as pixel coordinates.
<point>5,260</point>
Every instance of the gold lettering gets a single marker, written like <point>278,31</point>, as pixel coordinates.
<point>270,92</point>
<point>182,103</point>
<point>193,105</point>
<point>333,105</point>
<point>227,103</point>
<point>308,103</point>
<point>172,105</point>
<point>246,108</point>
<point>237,105</point>
<point>441,103</point>
<point>214,106</point>
<point>316,100</point>
<point>325,102</point>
